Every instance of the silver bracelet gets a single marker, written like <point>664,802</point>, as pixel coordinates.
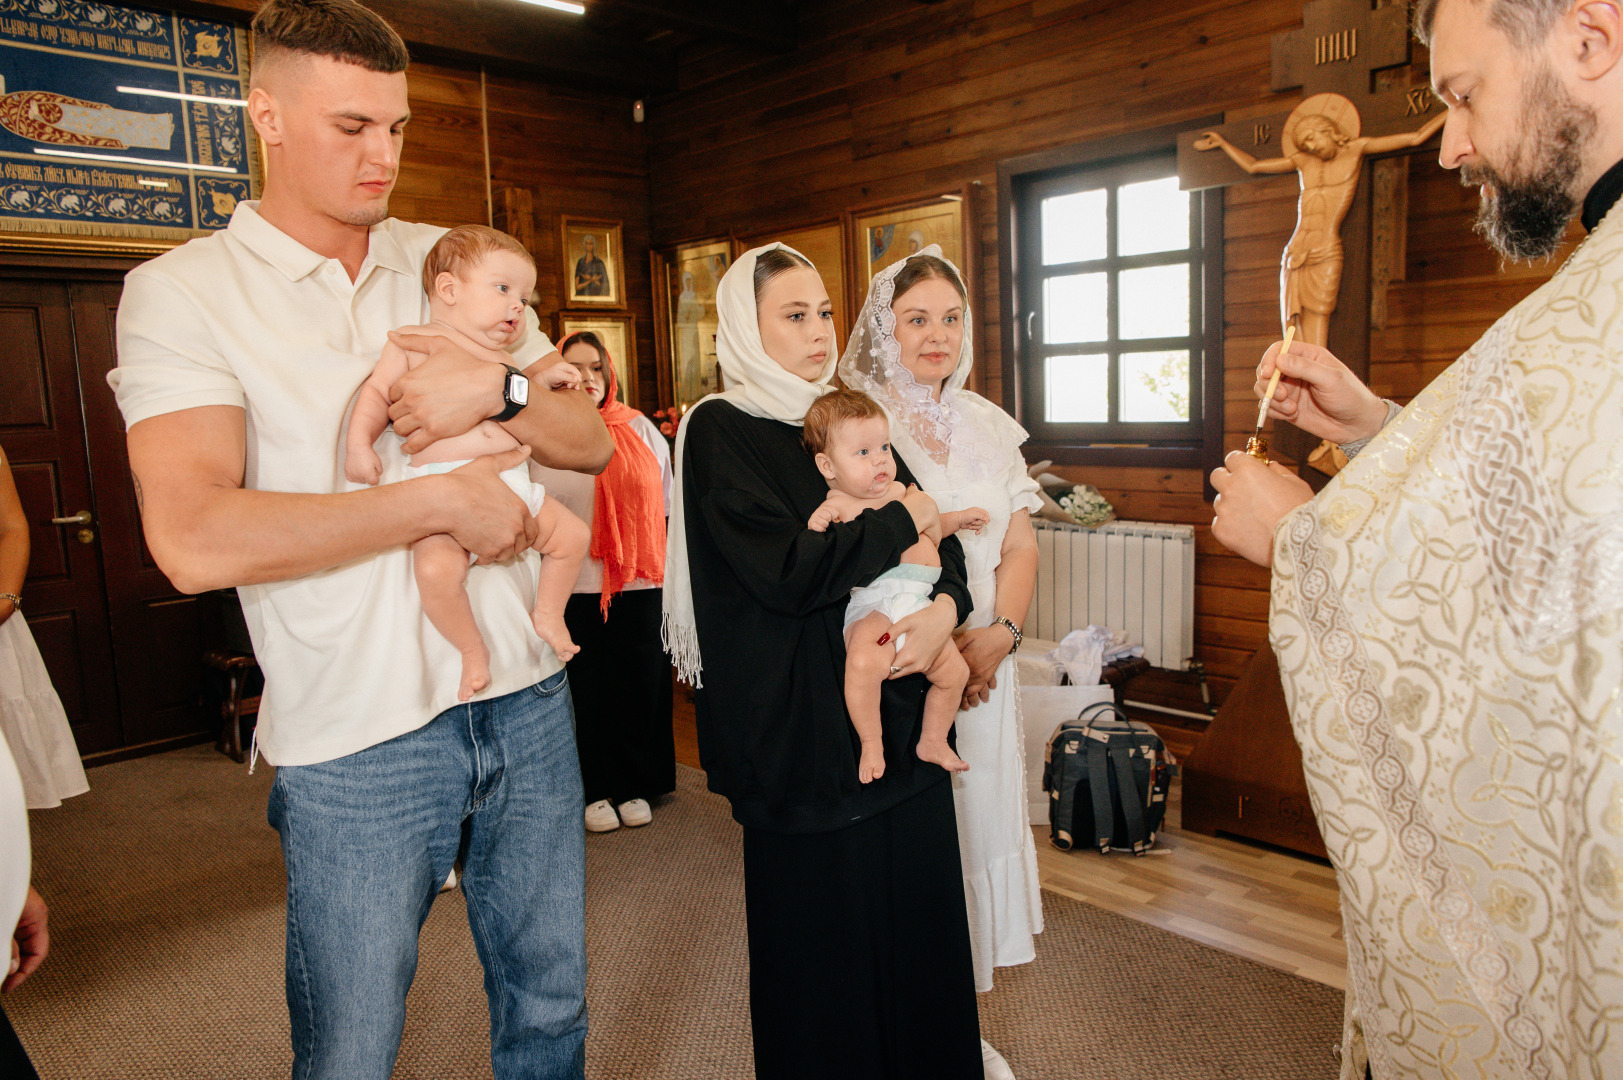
<point>1393,409</point>
<point>16,601</point>
<point>1013,629</point>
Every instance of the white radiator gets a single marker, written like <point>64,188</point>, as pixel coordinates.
<point>1137,576</point>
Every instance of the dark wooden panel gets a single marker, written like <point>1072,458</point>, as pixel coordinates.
<point>40,490</point>
<point>516,37</point>
<point>156,632</point>
<point>23,400</point>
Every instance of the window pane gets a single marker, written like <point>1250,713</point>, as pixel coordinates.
<point>1078,389</point>
<point>1154,387</point>
<point>1152,216</point>
<point>1076,308</point>
<point>1155,301</point>
<point>1074,227</point>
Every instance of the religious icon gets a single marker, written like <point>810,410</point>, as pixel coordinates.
<point>101,158</point>
<point>591,276</point>
<point>695,271</point>
<point>1322,144</point>
<point>594,271</point>
<point>889,236</point>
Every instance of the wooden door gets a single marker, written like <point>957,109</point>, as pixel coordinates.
<point>156,630</point>
<point>123,647</point>
<point>43,432</point>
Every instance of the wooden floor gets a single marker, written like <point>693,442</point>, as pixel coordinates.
<point>1266,905</point>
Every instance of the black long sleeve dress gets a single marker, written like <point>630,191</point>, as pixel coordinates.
<point>859,943</point>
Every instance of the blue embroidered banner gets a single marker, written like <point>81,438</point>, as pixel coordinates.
<point>108,121</point>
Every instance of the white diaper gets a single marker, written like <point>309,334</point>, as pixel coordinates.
<point>517,478</point>
<point>897,593</point>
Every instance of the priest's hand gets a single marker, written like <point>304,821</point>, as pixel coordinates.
<point>1318,394</point>
<point>1252,499</point>
<point>447,394</point>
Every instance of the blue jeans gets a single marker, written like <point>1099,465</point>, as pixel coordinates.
<point>368,839</point>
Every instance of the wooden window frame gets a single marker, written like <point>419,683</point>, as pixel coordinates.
<point>1069,444</point>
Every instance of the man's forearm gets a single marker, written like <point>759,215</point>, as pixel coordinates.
<point>562,428</point>
<point>227,536</point>
<point>207,531</point>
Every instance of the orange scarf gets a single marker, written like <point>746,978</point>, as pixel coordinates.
<point>628,507</point>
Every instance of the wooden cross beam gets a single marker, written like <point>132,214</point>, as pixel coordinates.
<point>1341,44</point>
<point>1338,47</point>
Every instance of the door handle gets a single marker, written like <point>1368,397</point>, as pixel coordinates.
<point>83,517</point>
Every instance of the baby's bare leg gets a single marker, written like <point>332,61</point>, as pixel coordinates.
<point>867,666</point>
<point>441,567</point>
<point>948,676</point>
<point>562,542</point>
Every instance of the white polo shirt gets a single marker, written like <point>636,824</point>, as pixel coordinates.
<point>252,318</point>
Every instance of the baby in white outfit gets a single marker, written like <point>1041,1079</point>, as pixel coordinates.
<point>478,281</point>
<point>848,433</point>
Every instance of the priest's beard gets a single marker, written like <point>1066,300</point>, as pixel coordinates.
<point>1533,201</point>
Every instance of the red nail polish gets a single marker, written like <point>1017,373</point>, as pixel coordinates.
<point>884,639</point>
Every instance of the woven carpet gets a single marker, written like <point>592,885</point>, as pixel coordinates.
<point>166,894</point>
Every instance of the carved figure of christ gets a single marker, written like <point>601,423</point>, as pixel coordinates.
<point>1322,144</point>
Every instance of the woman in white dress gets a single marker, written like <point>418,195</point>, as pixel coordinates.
<point>911,351</point>
<point>31,716</point>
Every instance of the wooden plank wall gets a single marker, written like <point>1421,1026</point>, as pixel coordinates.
<point>576,152</point>
<point>889,99</point>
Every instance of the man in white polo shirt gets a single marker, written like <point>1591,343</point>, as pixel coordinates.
<point>239,354</point>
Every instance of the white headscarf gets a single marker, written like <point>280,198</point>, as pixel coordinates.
<point>757,385</point>
<point>962,429</point>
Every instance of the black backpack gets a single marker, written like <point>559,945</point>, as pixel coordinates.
<point>1107,779</point>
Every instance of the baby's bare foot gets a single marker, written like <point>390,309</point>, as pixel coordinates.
<point>475,673</point>
<point>872,765</point>
<point>549,626</point>
<point>937,751</point>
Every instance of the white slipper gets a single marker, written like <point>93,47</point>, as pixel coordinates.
<point>993,1064</point>
<point>635,812</point>
<point>600,817</point>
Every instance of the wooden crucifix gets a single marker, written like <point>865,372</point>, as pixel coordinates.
<point>1329,140</point>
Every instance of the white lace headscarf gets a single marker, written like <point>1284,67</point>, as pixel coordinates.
<point>962,430</point>
<point>757,385</point>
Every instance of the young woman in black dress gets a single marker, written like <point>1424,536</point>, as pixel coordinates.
<point>859,945</point>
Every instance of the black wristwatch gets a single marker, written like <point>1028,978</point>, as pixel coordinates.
<point>515,393</point>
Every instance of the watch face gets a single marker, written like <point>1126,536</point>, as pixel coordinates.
<point>518,389</point>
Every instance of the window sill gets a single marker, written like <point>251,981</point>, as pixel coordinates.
<point>1153,457</point>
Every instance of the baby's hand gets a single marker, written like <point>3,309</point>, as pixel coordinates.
<point>974,519</point>
<point>824,516</point>
<point>363,467</point>
<point>846,507</point>
<point>560,376</point>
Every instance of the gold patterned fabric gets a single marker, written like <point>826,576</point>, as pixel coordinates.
<point>1448,616</point>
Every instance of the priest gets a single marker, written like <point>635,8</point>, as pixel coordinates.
<point>1448,611</point>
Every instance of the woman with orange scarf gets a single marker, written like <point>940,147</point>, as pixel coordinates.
<point>621,680</point>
